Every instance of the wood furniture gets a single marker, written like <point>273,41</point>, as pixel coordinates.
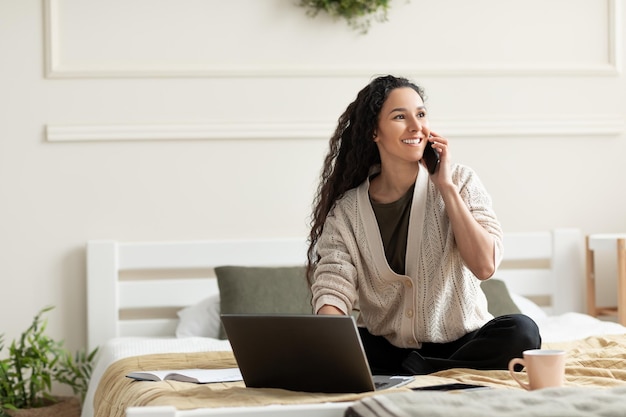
<point>606,242</point>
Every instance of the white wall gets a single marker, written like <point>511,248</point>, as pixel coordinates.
<point>164,119</point>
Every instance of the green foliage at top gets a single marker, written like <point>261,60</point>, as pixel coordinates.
<point>34,361</point>
<point>358,13</point>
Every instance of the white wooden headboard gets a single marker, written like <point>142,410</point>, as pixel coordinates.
<point>108,293</point>
<point>546,264</point>
<point>549,264</point>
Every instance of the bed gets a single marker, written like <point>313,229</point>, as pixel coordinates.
<point>156,305</point>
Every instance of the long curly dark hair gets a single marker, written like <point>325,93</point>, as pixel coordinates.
<point>352,152</point>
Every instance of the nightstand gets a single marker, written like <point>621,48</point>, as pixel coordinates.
<point>607,242</point>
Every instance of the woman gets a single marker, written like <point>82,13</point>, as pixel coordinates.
<point>405,248</point>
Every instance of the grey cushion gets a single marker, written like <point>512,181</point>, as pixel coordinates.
<point>499,301</point>
<point>254,290</point>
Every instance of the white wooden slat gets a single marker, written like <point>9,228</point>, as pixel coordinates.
<point>329,409</point>
<point>147,328</point>
<point>202,254</point>
<point>605,241</point>
<point>528,246</point>
<point>102,296</point>
<point>528,282</point>
<point>336,409</point>
<point>568,267</point>
<point>165,293</point>
<point>152,411</point>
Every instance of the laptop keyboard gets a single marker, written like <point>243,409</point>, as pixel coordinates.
<point>381,385</point>
<point>384,382</point>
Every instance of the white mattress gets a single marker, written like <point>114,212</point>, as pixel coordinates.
<point>574,326</point>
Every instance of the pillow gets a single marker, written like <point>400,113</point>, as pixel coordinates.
<point>529,308</point>
<point>201,319</point>
<point>499,301</point>
<point>254,290</point>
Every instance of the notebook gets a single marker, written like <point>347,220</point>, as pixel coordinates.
<point>310,353</point>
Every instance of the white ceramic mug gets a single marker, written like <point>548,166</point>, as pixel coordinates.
<point>544,368</point>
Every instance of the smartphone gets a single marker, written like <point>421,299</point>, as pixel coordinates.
<point>431,158</point>
<point>457,386</point>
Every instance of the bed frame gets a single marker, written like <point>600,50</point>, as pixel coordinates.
<point>124,278</point>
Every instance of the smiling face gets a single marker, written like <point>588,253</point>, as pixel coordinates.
<point>402,127</point>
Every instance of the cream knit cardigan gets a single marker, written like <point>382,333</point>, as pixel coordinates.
<point>439,299</point>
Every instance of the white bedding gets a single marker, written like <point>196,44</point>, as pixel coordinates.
<point>559,328</point>
<point>575,326</point>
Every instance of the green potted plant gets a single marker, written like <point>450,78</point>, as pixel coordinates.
<point>357,13</point>
<point>33,363</point>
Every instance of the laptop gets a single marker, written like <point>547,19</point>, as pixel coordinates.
<point>310,353</point>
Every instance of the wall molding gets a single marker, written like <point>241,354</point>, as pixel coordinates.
<point>503,128</point>
<point>55,68</point>
<point>186,131</point>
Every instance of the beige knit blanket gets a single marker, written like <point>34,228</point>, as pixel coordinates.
<point>592,362</point>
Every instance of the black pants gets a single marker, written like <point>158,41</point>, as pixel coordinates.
<point>490,347</point>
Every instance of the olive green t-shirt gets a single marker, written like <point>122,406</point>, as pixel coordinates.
<point>393,222</point>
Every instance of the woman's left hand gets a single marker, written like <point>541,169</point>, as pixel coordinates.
<point>443,173</point>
